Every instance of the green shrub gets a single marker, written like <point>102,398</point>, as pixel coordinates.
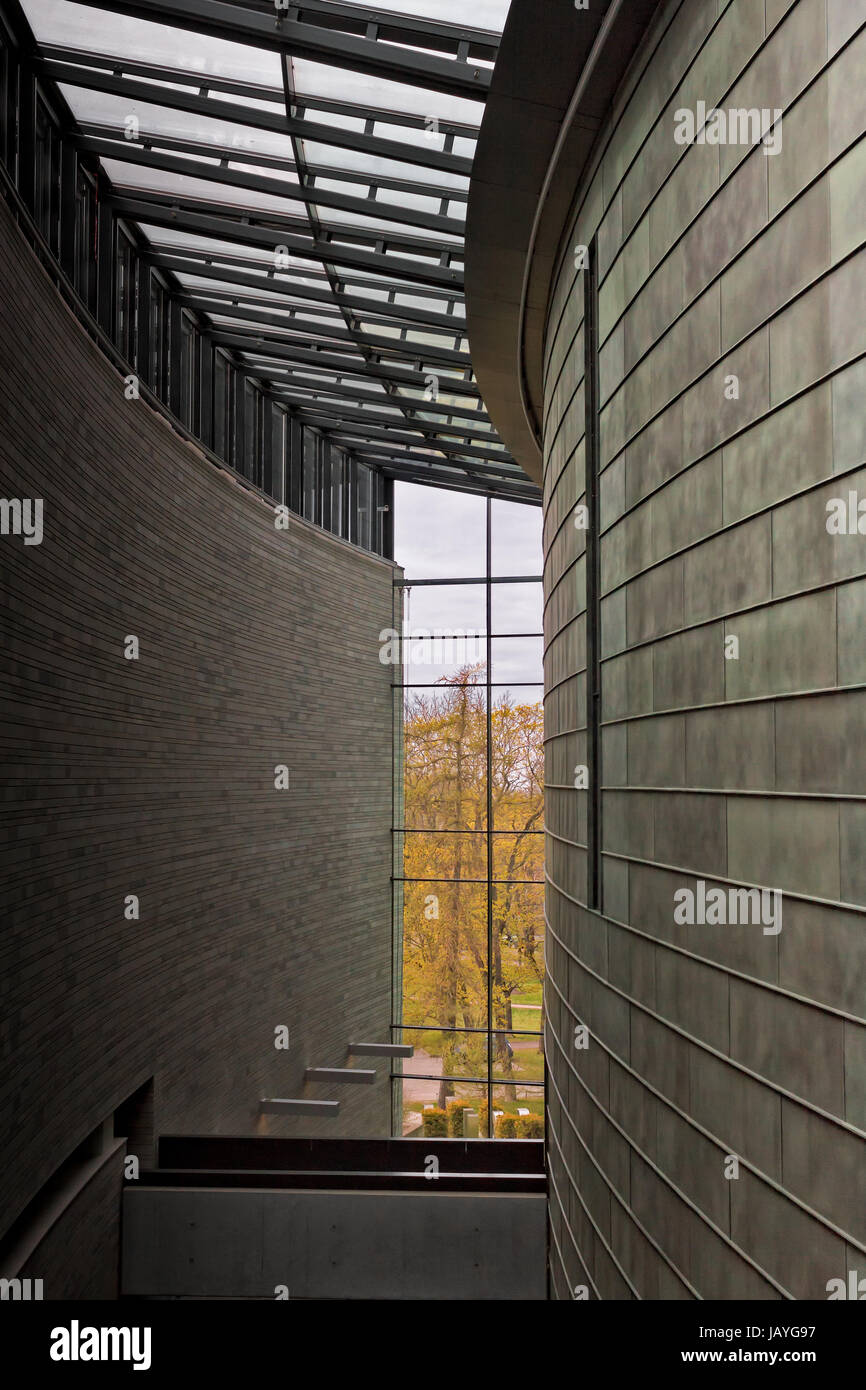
<point>454,1109</point>
<point>530,1126</point>
<point>506,1127</point>
<point>483,1116</point>
<point>435,1124</point>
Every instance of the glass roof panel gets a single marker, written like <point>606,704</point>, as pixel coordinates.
<point>138,176</point>
<point>342,84</point>
<point>237,283</point>
<point>104,108</point>
<point>374,165</point>
<point>485,14</point>
<point>121,36</point>
<point>419,201</point>
<point>431,138</point>
<point>374,222</point>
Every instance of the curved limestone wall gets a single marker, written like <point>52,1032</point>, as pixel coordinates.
<point>706,1131</point>
<point>154,778</point>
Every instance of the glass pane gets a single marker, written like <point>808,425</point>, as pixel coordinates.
<point>449,659</point>
<point>517,660</point>
<point>180,242</point>
<point>136,177</point>
<point>99,31</point>
<point>381,94</point>
<point>518,1111</point>
<point>92,107</point>
<point>516,539</point>
<point>374,165</point>
<point>447,1052</point>
<point>518,855</point>
<point>365,506</point>
<point>438,855</point>
<point>220,371</point>
<point>445,759</point>
<point>311,488</point>
<point>517,608</point>
<point>518,936</point>
<point>375,221</point>
<point>517,760</point>
<point>441,1109</point>
<point>486,14</point>
<point>338,476</point>
<point>438,534</point>
<point>518,1057</point>
<point>444,633</point>
<point>445,954</point>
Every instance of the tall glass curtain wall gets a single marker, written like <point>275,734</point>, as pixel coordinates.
<point>469,849</point>
<point>104,260</point>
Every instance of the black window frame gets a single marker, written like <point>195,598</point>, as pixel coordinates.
<point>125,306</point>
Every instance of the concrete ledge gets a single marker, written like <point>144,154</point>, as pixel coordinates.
<point>333,1244</point>
<point>299,1107</point>
<point>358,1076</point>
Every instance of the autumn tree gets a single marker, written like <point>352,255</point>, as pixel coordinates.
<point>445,907</point>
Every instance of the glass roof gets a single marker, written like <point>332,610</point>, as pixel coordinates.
<point>302,181</point>
<point>486,14</point>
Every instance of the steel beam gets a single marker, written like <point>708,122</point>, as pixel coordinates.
<point>332,414</point>
<point>126,152</point>
<point>401,433</point>
<point>272,31</point>
<point>304,392</point>
<point>191,265</point>
<point>281,164</point>
<point>255,91</point>
<point>454,481</point>
<point>78,74</point>
<point>411,29</point>
<point>313,332</point>
<point>347,280</point>
<point>347,366</point>
<point>342,235</point>
<point>381,457</point>
<point>164,211</point>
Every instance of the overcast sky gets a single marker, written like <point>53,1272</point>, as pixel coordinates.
<point>441,535</point>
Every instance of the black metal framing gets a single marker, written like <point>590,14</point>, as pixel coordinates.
<point>78,68</point>
<point>382,54</point>
<point>339,413</point>
<point>489,1081</point>
<point>406,282</point>
<point>461,418</point>
<point>154,157</point>
<point>593,582</point>
<point>218,268</point>
<point>270,232</point>
<point>272,326</point>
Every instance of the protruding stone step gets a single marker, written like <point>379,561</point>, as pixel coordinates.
<point>362,1049</point>
<point>357,1075</point>
<point>274,1106</point>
